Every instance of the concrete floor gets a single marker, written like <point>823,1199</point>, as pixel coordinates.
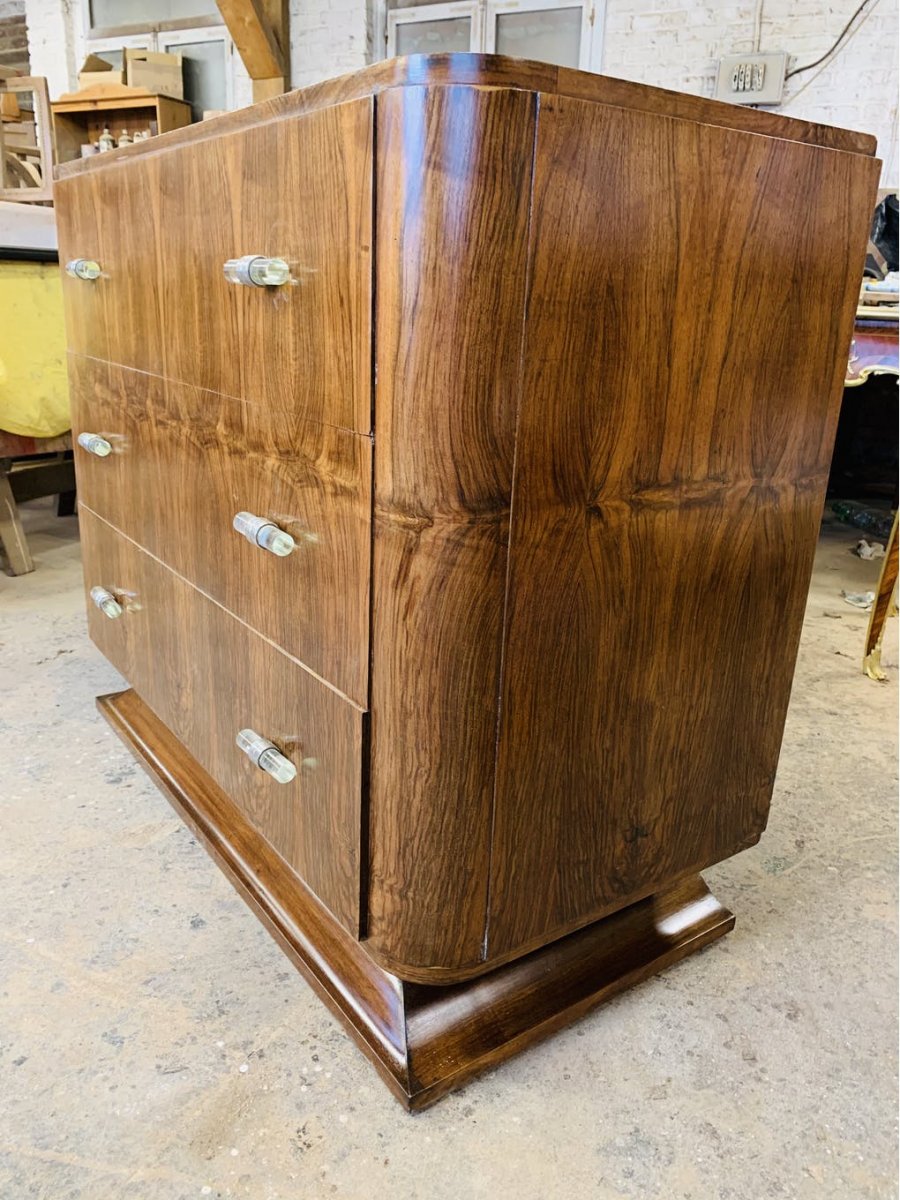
<point>155,1044</point>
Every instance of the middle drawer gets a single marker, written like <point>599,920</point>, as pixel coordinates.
<point>184,461</point>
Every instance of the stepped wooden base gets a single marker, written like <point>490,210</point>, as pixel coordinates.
<point>423,1040</point>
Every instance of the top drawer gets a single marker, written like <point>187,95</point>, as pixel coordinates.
<point>162,225</point>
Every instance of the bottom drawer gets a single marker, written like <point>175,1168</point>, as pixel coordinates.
<point>207,676</point>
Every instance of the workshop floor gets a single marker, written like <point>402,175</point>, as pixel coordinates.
<point>155,1044</point>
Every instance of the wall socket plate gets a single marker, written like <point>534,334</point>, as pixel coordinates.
<point>751,78</point>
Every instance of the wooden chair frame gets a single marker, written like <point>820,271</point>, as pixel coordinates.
<point>42,192</point>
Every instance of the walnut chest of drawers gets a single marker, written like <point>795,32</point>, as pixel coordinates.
<point>527,437</point>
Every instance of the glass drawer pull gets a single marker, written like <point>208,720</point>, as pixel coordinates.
<point>254,270</point>
<point>266,756</point>
<point>106,602</point>
<point>94,444</point>
<point>83,268</point>
<point>260,531</point>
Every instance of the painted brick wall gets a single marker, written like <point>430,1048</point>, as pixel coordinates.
<point>51,42</point>
<point>329,37</point>
<point>13,36</point>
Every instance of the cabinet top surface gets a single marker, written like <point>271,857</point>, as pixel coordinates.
<point>489,71</point>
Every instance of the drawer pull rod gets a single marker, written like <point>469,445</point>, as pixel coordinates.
<point>259,531</point>
<point>94,444</point>
<point>106,602</point>
<point>83,268</point>
<point>254,270</point>
<point>266,756</point>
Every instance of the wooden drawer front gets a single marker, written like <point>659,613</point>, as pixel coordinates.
<point>184,461</point>
<point>112,216</point>
<point>207,676</point>
<point>162,228</point>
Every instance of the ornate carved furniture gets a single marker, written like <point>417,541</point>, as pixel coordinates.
<point>452,531</point>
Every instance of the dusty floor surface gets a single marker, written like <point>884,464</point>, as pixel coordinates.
<point>154,1043</point>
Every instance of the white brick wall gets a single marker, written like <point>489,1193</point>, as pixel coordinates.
<point>672,43</point>
<point>330,37</point>
<point>51,43</point>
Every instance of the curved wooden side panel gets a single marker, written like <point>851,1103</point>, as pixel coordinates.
<point>453,189</point>
<point>679,401</point>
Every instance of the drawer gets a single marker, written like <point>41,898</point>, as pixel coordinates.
<point>207,676</point>
<point>162,226</point>
<point>110,217</point>
<point>185,461</point>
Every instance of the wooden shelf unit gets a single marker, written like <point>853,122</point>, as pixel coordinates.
<point>80,117</point>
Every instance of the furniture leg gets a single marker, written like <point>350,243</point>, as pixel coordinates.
<point>65,504</point>
<point>881,609</point>
<point>12,535</point>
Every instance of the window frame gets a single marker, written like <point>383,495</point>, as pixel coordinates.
<point>201,33</point>
<point>94,33</point>
<point>586,56</point>
<point>421,13</point>
<point>483,14</point>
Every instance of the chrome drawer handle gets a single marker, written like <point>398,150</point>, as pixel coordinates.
<point>260,531</point>
<point>106,602</point>
<point>94,444</point>
<point>255,270</point>
<point>266,756</point>
<point>83,268</point>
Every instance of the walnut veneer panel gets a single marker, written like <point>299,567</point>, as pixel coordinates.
<point>79,237</point>
<point>206,676</point>
<point>162,228</point>
<point>454,167</point>
<point>184,461</point>
<point>689,318</point>
<point>113,217</point>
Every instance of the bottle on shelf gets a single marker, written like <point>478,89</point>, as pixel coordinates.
<point>124,138</point>
<point>105,141</point>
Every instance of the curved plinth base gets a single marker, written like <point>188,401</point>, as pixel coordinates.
<point>423,1040</point>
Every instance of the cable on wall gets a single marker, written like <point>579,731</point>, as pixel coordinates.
<point>835,45</point>
<point>835,50</point>
<point>757,26</point>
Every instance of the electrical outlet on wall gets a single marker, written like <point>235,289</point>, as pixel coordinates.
<point>751,78</point>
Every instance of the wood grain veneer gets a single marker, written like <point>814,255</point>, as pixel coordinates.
<point>452,241</point>
<point>204,457</point>
<point>162,228</point>
<point>555,383</point>
<point>207,676</point>
<point>671,467</point>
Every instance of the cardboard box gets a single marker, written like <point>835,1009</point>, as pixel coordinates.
<point>97,72</point>
<point>157,73</point>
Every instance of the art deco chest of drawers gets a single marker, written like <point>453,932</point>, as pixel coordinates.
<point>452,444</point>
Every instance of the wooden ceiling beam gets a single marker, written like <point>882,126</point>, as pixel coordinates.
<point>259,30</point>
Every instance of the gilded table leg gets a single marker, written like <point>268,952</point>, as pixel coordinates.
<point>882,608</point>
